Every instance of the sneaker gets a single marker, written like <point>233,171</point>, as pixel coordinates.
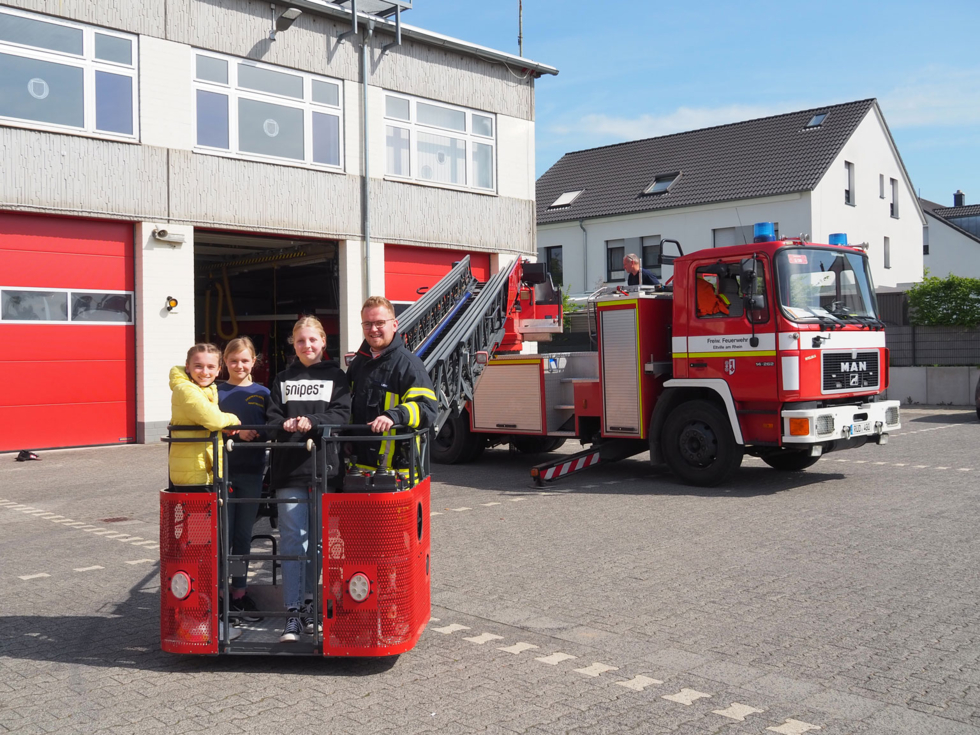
<point>232,634</point>
<point>241,608</point>
<point>293,628</point>
<point>306,616</point>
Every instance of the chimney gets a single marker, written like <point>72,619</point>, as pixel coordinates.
<point>959,199</point>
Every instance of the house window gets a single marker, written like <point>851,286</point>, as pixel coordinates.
<point>565,199</point>
<point>881,186</point>
<point>894,202</point>
<point>552,256</point>
<point>925,240</point>
<point>261,112</point>
<point>661,184</point>
<point>888,252</point>
<point>615,252</point>
<point>64,306</point>
<point>67,77</point>
<point>651,254</point>
<point>817,120</point>
<point>849,197</point>
<point>440,144</point>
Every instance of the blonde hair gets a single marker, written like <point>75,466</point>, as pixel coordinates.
<point>237,345</point>
<point>309,322</point>
<point>375,301</point>
<point>205,347</point>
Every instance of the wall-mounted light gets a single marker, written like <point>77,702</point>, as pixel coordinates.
<point>284,21</point>
<point>173,238</point>
<point>171,303</point>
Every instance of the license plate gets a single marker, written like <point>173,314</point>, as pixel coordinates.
<point>861,428</point>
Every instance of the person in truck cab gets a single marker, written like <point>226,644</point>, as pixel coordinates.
<point>637,275</point>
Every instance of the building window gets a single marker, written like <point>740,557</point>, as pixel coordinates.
<point>615,252</point>
<point>261,112</point>
<point>63,306</point>
<point>925,240</point>
<point>881,186</point>
<point>565,199</point>
<point>552,256</point>
<point>662,183</point>
<point>849,194</point>
<point>67,77</point>
<point>894,202</point>
<point>817,120</point>
<point>888,252</point>
<point>723,237</point>
<point>650,254</point>
<point>440,144</point>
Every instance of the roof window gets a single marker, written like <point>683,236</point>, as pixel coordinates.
<point>662,183</point>
<point>566,199</point>
<point>817,120</point>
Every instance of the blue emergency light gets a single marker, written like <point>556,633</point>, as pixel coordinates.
<point>764,232</point>
<point>837,238</point>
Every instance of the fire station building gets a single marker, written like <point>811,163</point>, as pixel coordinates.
<point>179,170</point>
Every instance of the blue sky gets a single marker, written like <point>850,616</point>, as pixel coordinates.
<point>633,69</point>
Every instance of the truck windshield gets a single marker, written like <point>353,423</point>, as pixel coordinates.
<point>830,286</point>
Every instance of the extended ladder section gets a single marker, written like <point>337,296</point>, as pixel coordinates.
<point>459,317</point>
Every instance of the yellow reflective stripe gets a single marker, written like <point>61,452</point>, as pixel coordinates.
<point>757,353</point>
<point>725,299</point>
<point>416,392</point>
<point>413,414</point>
<point>391,401</point>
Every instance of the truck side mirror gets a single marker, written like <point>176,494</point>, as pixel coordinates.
<point>749,275</point>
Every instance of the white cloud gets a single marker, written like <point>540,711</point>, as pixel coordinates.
<point>937,96</point>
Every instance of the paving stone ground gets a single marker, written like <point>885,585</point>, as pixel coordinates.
<point>841,598</point>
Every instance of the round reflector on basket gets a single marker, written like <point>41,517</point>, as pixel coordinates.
<point>359,587</point>
<point>180,585</point>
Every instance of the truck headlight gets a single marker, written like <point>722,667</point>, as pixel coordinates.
<point>825,424</point>
<point>891,416</point>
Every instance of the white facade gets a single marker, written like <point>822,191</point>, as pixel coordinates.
<point>816,214</point>
<point>950,250</point>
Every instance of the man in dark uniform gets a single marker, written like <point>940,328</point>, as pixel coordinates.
<point>390,386</point>
<point>635,275</point>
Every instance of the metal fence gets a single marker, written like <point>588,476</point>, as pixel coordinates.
<point>933,345</point>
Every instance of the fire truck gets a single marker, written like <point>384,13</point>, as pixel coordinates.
<point>772,349</point>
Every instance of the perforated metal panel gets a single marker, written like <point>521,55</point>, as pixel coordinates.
<point>509,397</point>
<point>620,373</point>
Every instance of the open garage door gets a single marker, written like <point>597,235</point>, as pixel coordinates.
<point>67,365</point>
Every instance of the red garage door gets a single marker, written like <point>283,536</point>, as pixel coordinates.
<point>67,366</point>
<point>407,269</point>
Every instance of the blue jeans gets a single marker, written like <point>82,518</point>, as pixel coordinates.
<point>298,577</point>
<point>241,519</point>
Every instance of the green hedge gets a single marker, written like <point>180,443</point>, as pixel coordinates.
<point>953,301</point>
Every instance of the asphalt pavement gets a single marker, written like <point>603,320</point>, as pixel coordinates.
<point>841,599</point>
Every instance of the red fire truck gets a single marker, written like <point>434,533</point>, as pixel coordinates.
<point>772,349</point>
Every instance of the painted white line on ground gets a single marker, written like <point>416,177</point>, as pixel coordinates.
<point>686,696</point>
<point>738,711</point>
<point>35,511</point>
<point>881,463</point>
<point>518,648</point>
<point>27,577</point>
<point>966,469</point>
<point>793,727</point>
<point>434,513</point>
<point>148,542</point>
<point>450,628</point>
<point>596,668</point>
<point>860,461</point>
<point>484,638</point>
<point>57,519</point>
<point>555,658</point>
<point>515,500</point>
<point>433,620</point>
<point>639,683</point>
<point>140,561</point>
<point>898,464</point>
<point>88,569</point>
<point>940,468</point>
<point>114,535</point>
<point>102,531</point>
<point>460,510</point>
<point>48,516</point>
<point>921,466</point>
<point>129,539</point>
<point>487,505</point>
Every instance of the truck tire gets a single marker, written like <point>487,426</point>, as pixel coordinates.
<point>536,444</point>
<point>455,443</point>
<point>790,460</point>
<point>698,444</point>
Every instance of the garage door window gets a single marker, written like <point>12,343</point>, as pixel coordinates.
<point>52,306</point>
<point>67,77</point>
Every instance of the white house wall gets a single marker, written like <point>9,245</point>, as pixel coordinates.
<point>869,219</point>
<point>950,251</point>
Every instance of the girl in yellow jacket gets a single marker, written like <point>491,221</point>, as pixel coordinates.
<point>195,403</point>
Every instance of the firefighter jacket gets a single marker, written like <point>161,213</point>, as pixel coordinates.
<point>318,392</point>
<point>395,384</point>
<point>191,463</point>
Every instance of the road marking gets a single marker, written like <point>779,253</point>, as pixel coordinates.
<point>487,505</point>
<point>966,469</point>
<point>140,561</point>
<point>149,542</point>
<point>860,461</point>
<point>88,569</point>
<point>596,669</point>
<point>434,513</point>
<point>27,577</point>
<point>116,535</point>
<point>460,510</point>
<point>881,463</point>
<point>897,464</point>
<point>940,468</point>
<point>129,539</point>
<point>921,466</point>
<point>450,628</point>
<point>35,511</point>
<point>686,697</point>
<point>793,727</point>
<point>484,638</point>
<point>639,683</point>
<point>515,500</point>
<point>518,648</point>
<point>738,711</point>
<point>555,658</point>
<point>433,620</point>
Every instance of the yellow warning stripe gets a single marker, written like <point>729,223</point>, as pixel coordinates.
<point>765,353</point>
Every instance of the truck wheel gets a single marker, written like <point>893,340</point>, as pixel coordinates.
<point>536,444</point>
<point>698,444</point>
<point>790,460</point>
<point>455,443</point>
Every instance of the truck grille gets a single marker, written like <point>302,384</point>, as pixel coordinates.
<point>849,371</point>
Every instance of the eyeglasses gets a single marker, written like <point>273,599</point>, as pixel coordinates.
<point>376,325</point>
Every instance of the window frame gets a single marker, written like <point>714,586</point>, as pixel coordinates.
<point>671,178</point>
<point>68,321</point>
<point>610,247</point>
<point>893,204</point>
<point>850,199</point>
<point>887,252</point>
<point>470,138</point>
<point>561,259</point>
<point>655,246</point>
<point>234,92</point>
<point>89,65</point>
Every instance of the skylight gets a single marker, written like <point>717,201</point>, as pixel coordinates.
<point>661,183</point>
<point>566,199</point>
<point>817,120</point>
